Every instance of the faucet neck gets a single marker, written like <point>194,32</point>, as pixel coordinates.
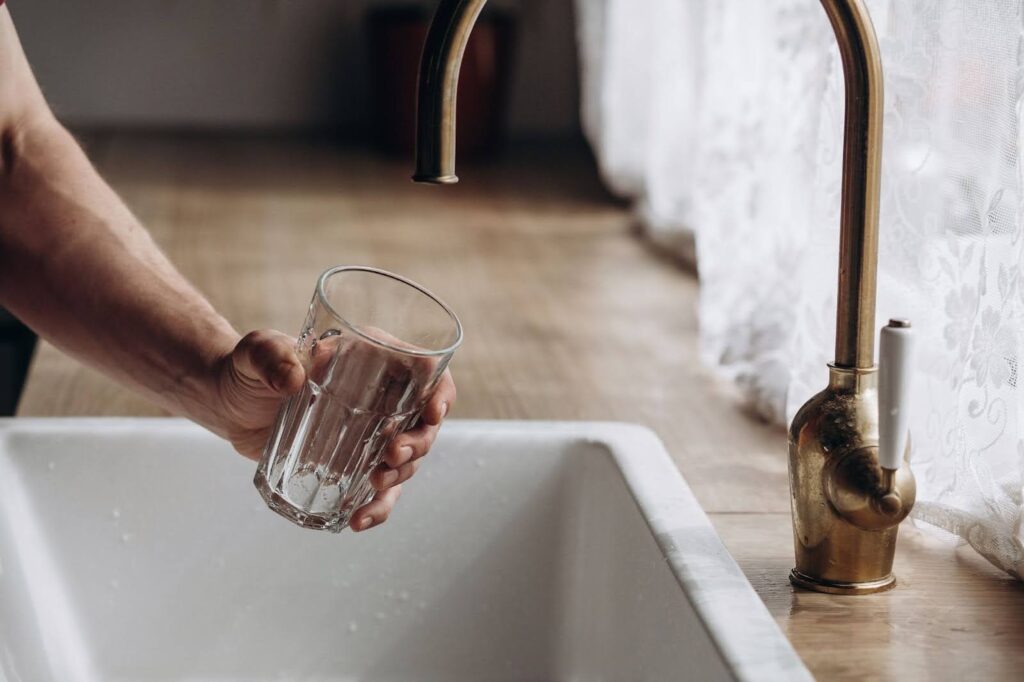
<point>862,161</point>
<point>862,150</point>
<point>438,85</point>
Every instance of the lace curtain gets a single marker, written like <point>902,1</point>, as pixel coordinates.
<point>725,119</point>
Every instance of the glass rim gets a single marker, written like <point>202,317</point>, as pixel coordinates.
<point>451,348</point>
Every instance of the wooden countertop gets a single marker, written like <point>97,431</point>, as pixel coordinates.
<point>567,316</point>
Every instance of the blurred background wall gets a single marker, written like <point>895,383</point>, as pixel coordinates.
<point>261,64</point>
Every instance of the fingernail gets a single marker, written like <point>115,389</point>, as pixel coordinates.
<point>365,522</point>
<point>444,409</point>
<point>388,478</point>
<point>405,451</point>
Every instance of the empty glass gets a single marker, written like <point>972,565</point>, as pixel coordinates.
<point>374,346</point>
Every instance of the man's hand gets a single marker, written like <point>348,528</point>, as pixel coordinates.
<point>62,225</point>
<point>263,369</point>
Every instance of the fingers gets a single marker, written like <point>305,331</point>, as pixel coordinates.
<point>410,445</point>
<point>250,444</point>
<point>384,477</point>
<point>269,357</point>
<point>376,511</point>
<point>441,401</point>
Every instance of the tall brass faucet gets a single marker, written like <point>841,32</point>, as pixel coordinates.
<point>850,485</point>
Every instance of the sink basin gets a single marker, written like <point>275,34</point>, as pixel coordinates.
<point>138,549</point>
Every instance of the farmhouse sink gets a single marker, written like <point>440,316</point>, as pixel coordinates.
<point>138,549</point>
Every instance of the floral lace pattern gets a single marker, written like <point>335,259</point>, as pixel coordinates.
<point>740,142</point>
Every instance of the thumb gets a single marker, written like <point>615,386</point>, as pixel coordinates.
<point>269,357</point>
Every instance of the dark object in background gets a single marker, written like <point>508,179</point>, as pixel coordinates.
<point>396,41</point>
<point>16,345</point>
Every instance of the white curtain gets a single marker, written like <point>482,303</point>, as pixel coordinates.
<point>725,119</point>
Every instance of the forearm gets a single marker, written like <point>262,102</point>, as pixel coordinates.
<point>77,267</point>
<point>80,269</point>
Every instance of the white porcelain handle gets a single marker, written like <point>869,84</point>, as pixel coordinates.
<point>894,368</point>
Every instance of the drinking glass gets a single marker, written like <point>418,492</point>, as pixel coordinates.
<point>374,346</point>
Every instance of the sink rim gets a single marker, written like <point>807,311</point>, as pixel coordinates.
<point>748,639</point>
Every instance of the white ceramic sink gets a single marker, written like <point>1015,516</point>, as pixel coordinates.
<point>139,549</point>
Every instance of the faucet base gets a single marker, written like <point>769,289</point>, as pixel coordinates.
<point>867,587</point>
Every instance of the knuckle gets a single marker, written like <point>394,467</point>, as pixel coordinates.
<point>252,339</point>
<point>403,440</point>
<point>428,440</point>
<point>425,442</point>
<point>256,345</point>
<point>409,470</point>
<point>377,479</point>
<point>419,445</point>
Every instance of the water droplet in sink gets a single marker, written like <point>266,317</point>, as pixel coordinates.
<point>353,626</point>
<point>114,584</point>
<point>51,466</point>
<point>389,594</point>
<point>381,615</point>
<point>127,537</point>
<point>115,513</point>
<point>422,605</point>
<point>403,595</point>
<point>480,462</point>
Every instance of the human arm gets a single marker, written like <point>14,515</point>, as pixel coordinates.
<point>80,269</point>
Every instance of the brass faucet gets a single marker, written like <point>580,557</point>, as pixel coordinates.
<point>849,487</point>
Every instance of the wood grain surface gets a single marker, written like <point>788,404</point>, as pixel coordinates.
<point>568,316</point>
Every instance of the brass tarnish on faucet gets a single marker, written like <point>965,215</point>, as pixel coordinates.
<point>846,506</point>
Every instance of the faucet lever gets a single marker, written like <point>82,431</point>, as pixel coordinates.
<point>896,345</point>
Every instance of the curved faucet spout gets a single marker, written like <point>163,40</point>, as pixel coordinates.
<point>862,150</point>
<point>438,86</point>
